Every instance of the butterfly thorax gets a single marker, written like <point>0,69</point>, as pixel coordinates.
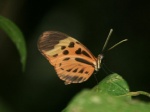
<point>99,58</point>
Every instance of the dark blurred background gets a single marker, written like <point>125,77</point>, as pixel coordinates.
<point>39,89</point>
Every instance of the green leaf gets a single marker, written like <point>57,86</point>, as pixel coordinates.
<point>91,101</point>
<point>113,84</point>
<point>16,36</point>
<point>110,95</point>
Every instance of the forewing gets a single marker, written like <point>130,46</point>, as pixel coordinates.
<point>54,45</point>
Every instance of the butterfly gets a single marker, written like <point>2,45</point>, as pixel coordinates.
<point>72,61</point>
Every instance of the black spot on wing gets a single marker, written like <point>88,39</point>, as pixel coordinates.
<point>75,70</point>
<point>55,55</point>
<point>86,72</point>
<point>69,70</point>
<point>84,61</point>
<point>78,51</point>
<point>61,68</point>
<point>59,64</point>
<point>81,71</point>
<point>65,52</point>
<point>71,44</point>
<point>85,53</point>
<point>63,47</point>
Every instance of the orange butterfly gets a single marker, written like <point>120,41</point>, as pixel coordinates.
<point>73,62</point>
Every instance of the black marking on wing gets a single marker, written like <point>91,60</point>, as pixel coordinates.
<point>82,70</point>
<point>55,55</point>
<point>65,52</point>
<point>49,39</point>
<point>78,51</point>
<point>84,61</point>
<point>86,72</point>
<point>66,59</point>
<point>75,70</point>
<point>69,70</point>
<point>71,44</point>
<point>63,47</point>
<point>59,64</point>
<point>85,53</point>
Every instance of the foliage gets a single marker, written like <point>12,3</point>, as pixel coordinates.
<point>110,95</point>
<point>16,36</point>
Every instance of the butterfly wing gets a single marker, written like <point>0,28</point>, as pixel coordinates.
<point>73,69</point>
<point>73,62</point>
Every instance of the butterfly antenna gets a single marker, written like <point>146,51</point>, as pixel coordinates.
<point>117,44</point>
<point>108,37</point>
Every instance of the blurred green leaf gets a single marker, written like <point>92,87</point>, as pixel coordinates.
<point>90,101</point>
<point>16,36</point>
<point>113,84</point>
